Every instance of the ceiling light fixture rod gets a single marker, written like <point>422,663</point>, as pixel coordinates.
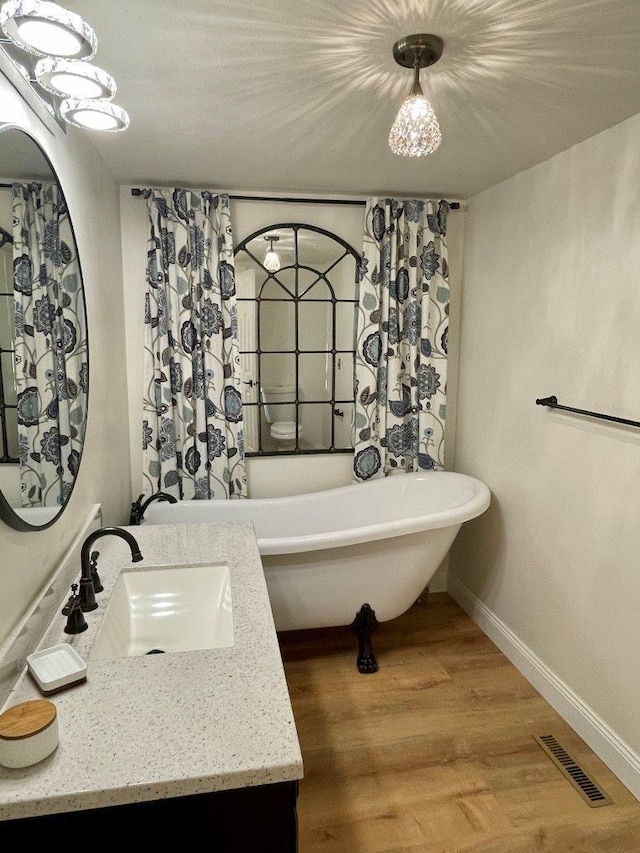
<point>416,89</point>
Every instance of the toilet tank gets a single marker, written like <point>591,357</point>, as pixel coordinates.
<point>275,398</point>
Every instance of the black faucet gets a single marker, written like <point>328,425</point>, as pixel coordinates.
<point>88,563</point>
<point>138,508</point>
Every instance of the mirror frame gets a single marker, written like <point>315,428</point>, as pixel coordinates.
<point>7,513</point>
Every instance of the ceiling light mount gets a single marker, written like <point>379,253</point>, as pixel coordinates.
<point>420,50</point>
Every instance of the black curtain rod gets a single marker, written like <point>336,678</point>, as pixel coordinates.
<point>454,205</point>
<point>553,403</point>
<point>136,191</point>
<point>355,202</point>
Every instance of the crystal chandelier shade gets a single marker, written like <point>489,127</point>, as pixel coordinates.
<point>416,131</point>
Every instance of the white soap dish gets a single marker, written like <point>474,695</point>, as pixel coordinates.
<point>57,667</point>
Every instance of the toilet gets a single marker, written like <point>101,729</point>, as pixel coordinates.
<point>280,412</point>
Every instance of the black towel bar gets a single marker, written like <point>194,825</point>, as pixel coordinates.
<point>553,403</point>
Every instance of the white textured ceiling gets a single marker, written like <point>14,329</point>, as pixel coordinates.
<point>299,95</point>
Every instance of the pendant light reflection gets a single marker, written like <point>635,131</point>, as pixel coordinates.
<point>416,131</point>
<point>271,259</point>
<point>46,29</point>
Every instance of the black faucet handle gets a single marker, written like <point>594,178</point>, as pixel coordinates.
<point>72,598</point>
<point>76,623</point>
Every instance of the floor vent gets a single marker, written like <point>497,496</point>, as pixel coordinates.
<point>586,787</point>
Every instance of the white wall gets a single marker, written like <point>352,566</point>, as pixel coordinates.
<point>551,305</point>
<point>28,560</point>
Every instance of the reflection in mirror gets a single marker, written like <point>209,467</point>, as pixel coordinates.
<point>314,319</point>
<point>314,376</point>
<point>277,368</point>
<point>277,327</point>
<point>297,332</point>
<point>43,339</point>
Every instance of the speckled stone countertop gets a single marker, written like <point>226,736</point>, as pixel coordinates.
<point>165,725</point>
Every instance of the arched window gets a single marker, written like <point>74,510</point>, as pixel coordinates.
<point>296,322</point>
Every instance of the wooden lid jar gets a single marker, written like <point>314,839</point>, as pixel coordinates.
<point>28,733</point>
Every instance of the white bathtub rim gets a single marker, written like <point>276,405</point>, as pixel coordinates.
<point>455,515</point>
<point>452,517</point>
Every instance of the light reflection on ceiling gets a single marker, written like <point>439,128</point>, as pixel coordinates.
<point>299,95</point>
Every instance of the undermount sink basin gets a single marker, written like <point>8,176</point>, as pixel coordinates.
<point>175,608</point>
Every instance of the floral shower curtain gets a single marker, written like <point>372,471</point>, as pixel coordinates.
<point>401,343</point>
<point>192,433</point>
<point>51,355</point>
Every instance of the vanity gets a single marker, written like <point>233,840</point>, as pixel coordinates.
<point>199,743</point>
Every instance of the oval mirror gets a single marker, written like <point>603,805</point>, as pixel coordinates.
<point>44,358</point>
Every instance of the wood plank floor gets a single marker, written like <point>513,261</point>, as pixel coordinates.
<point>435,753</point>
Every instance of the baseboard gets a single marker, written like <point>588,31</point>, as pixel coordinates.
<point>620,759</point>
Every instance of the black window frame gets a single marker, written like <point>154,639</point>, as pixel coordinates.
<point>295,264</point>
<point>5,458</point>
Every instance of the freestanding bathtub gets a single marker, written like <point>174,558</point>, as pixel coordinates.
<point>352,555</point>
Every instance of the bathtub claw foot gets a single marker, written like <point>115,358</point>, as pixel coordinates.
<point>363,626</point>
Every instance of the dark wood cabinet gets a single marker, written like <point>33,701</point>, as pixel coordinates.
<point>260,819</point>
